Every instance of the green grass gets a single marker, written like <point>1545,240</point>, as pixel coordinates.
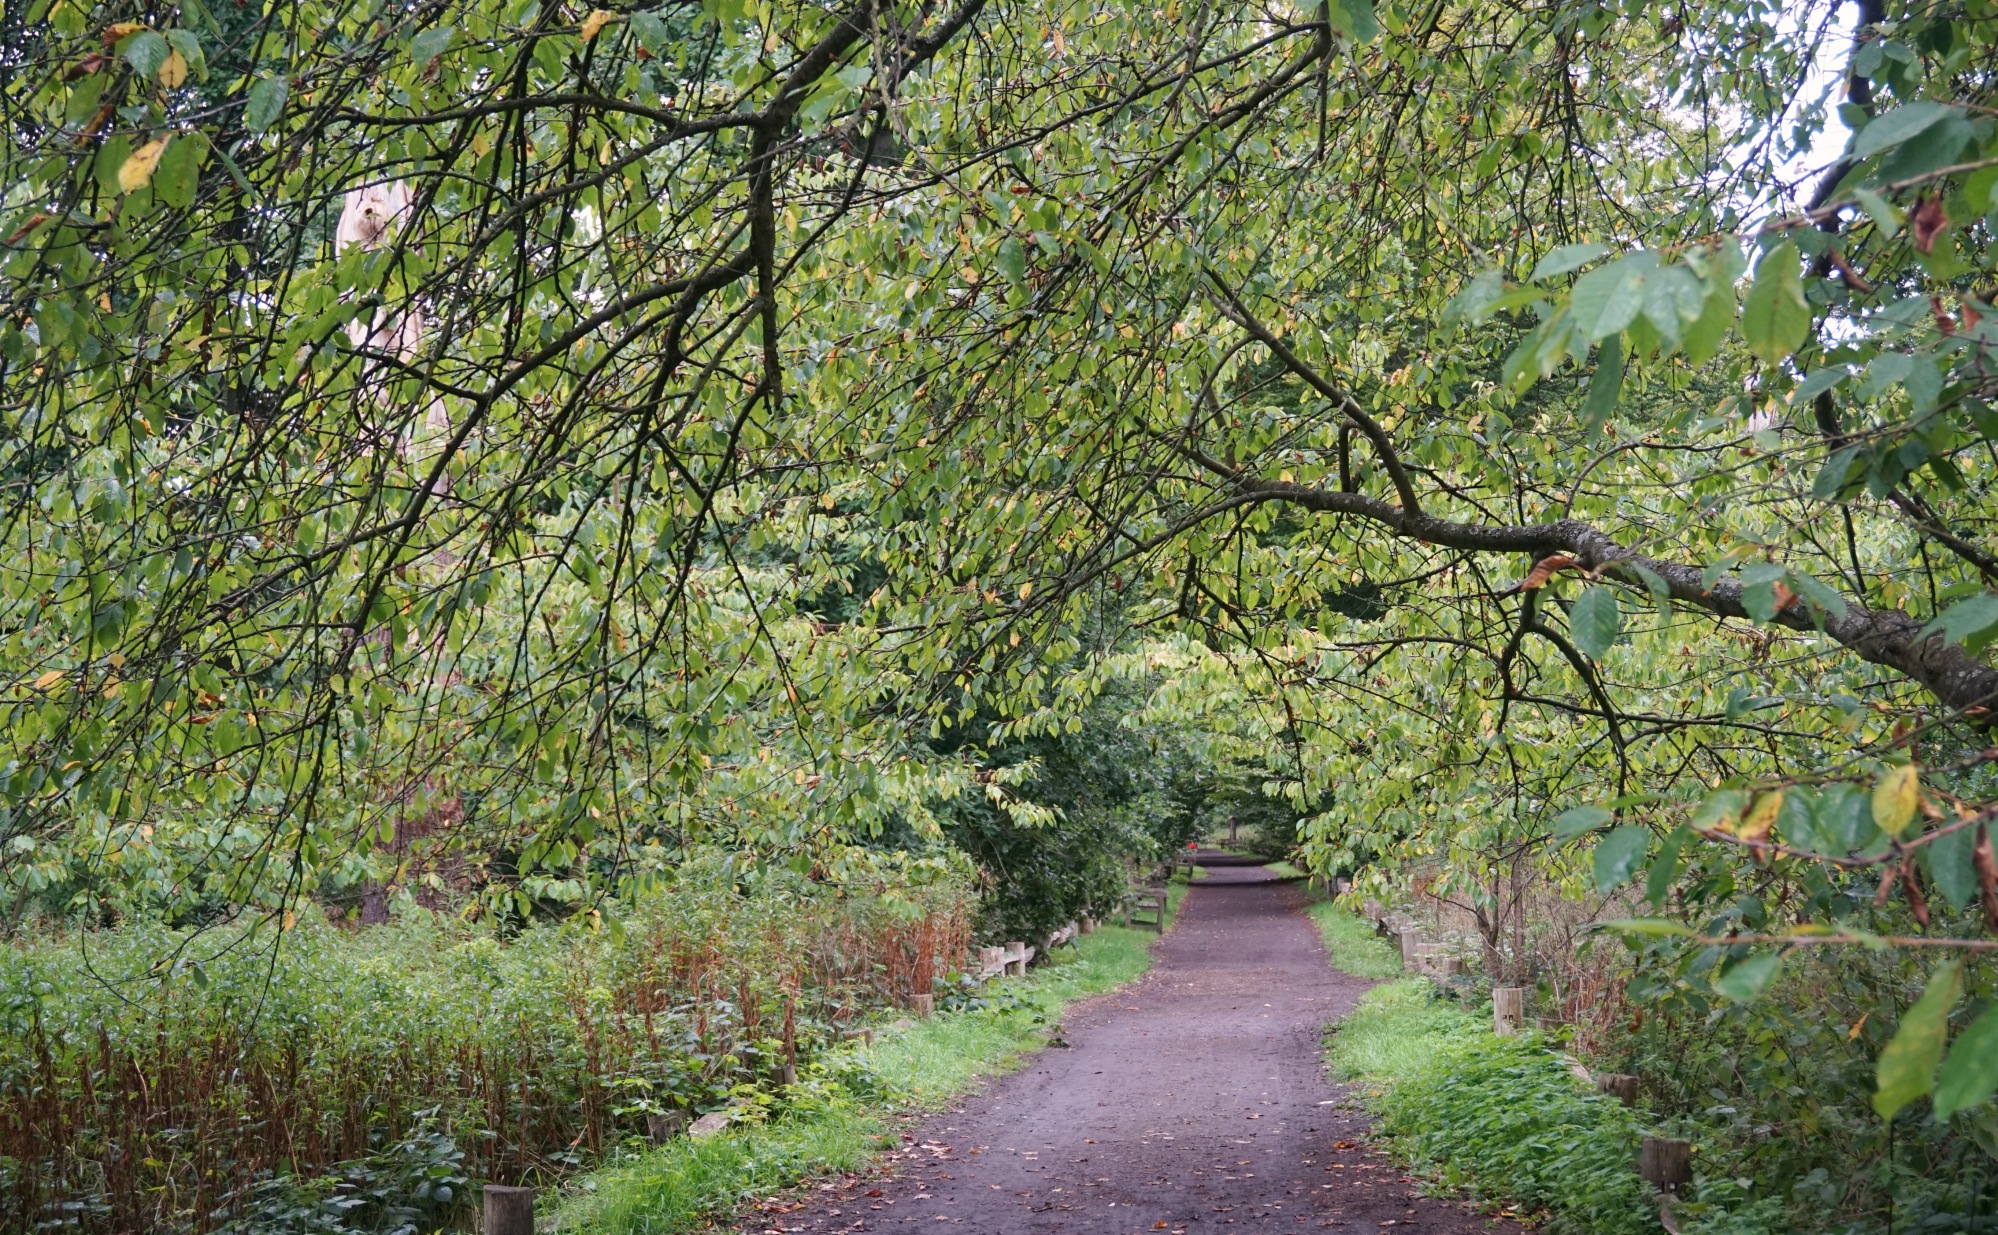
<point>1350,941</point>
<point>1502,1118</point>
<point>1396,1029</point>
<point>848,1108</point>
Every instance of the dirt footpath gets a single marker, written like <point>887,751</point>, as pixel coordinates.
<point>1194,1100</point>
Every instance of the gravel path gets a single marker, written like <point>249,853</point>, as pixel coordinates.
<point>1192,1101</point>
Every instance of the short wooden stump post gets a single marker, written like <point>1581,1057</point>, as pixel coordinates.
<point>1087,926</point>
<point>1619,1085</point>
<point>509,1211</point>
<point>923,1006</point>
<point>1508,1009</point>
<point>1665,1163</point>
<point>1411,948</point>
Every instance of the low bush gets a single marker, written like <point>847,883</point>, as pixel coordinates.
<point>1778,1094</point>
<point>165,1080</point>
<point>1502,1116</point>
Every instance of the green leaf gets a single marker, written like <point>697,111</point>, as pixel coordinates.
<point>1720,809</point>
<point>189,47</point>
<point>1775,320</point>
<point>650,29</point>
<point>1907,1067</point>
<point>179,171</point>
<point>145,51</point>
<point>1618,856</point>
<point>1356,20</point>
<point>1897,126</point>
<point>267,99</point>
<point>1605,385</point>
<point>1475,300</point>
<point>1608,298</point>
<point>1881,211</point>
<point>1656,927</point>
<point>1973,622</point>
<point>1950,865</point>
<point>1701,339</point>
<point>1836,475</point>
<point>1970,1074</point>
<point>1576,820</point>
<point>1565,259</point>
<point>1749,976</point>
<point>1821,379</point>
<point>1595,620</point>
<point>1758,593</point>
<point>431,43</point>
<point>1843,818</point>
<point>1817,593</point>
<point>1012,260</point>
<point>1673,296</point>
<point>1665,867</point>
<point>1654,583</point>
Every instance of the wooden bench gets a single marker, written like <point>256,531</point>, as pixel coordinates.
<point>1145,901</point>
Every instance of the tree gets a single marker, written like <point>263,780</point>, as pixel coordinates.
<point>1489,380</point>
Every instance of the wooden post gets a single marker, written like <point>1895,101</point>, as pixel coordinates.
<point>1620,1085</point>
<point>1088,926</point>
<point>924,1006</point>
<point>509,1211</point>
<point>1665,1163</point>
<point>1411,947</point>
<point>1453,966</point>
<point>1508,1009</point>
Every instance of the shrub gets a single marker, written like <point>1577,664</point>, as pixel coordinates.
<point>166,1080</point>
<point>1502,1115</point>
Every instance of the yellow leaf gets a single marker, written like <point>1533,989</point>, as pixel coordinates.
<point>48,679</point>
<point>119,30</point>
<point>1026,590</point>
<point>1755,825</point>
<point>594,22</point>
<point>1894,798</point>
<point>174,71</point>
<point>137,172</point>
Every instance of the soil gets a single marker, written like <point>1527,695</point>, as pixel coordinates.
<point>1193,1101</point>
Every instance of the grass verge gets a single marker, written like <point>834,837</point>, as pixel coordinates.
<point>843,1112</point>
<point>1349,940</point>
<point>1500,1118</point>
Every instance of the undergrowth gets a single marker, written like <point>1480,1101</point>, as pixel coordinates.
<point>1501,1117</point>
<point>311,1079</point>
<point>849,1100</point>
